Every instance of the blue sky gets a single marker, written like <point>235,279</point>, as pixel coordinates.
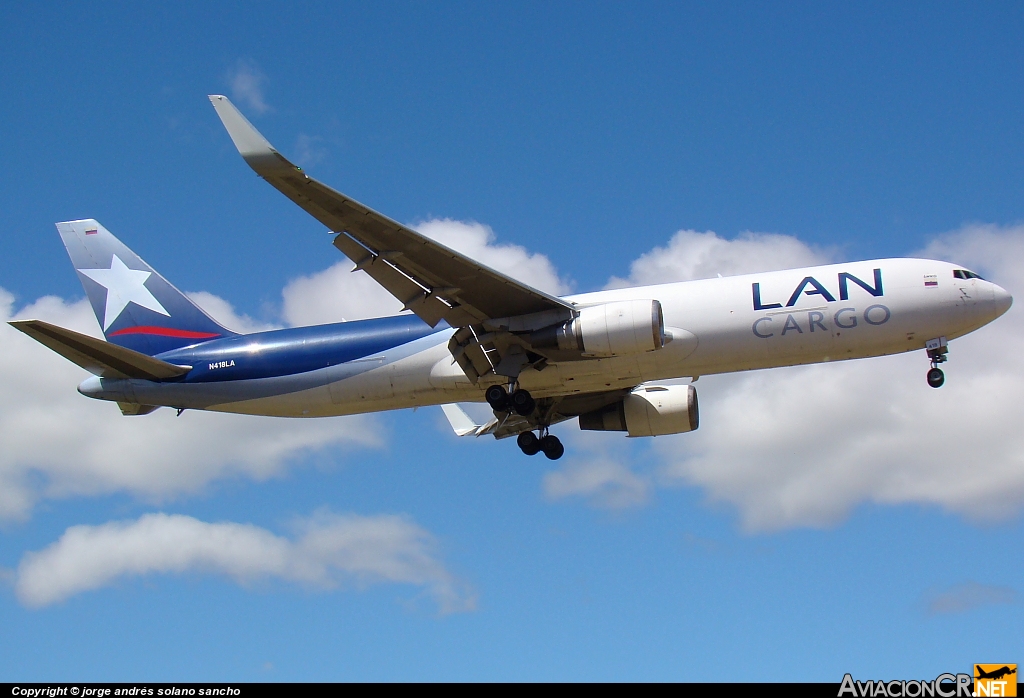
<point>591,135</point>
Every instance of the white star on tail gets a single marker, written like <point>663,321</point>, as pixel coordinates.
<point>123,286</point>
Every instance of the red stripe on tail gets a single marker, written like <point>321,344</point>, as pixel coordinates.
<point>164,332</point>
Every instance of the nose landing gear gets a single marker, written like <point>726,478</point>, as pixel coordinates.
<point>937,351</point>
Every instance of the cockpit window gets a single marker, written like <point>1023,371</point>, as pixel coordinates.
<point>964,274</point>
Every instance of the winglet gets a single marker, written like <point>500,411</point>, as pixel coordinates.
<point>252,146</point>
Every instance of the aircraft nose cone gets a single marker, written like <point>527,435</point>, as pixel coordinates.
<point>1002,299</point>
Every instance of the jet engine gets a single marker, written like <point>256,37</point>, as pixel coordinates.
<point>609,329</point>
<point>648,411</point>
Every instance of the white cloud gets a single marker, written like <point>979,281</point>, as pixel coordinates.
<point>477,241</point>
<point>57,443</point>
<point>333,295</point>
<point>607,483</point>
<point>336,293</point>
<point>327,551</point>
<point>694,255</point>
<point>802,446</point>
<point>991,249</point>
<point>309,150</point>
<point>224,313</point>
<point>968,596</point>
<point>596,469</point>
<point>247,83</point>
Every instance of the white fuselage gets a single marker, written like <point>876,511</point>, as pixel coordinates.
<point>720,325</point>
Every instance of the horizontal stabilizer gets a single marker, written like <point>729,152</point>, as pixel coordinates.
<point>98,357</point>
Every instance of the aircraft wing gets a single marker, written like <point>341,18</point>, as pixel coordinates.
<point>431,280</point>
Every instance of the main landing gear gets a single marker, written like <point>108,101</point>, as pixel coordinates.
<point>531,444</point>
<point>937,351</point>
<point>522,403</point>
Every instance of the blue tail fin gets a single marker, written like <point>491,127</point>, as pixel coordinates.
<point>136,307</point>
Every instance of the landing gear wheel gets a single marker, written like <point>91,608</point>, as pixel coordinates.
<point>938,351</point>
<point>528,443</point>
<point>552,447</point>
<point>497,398</point>
<point>523,403</point>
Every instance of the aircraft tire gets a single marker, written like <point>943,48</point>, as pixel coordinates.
<point>497,398</point>
<point>523,403</point>
<point>528,443</point>
<point>552,447</point>
<point>936,377</point>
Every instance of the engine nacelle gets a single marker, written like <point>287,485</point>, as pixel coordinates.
<point>609,329</point>
<point>648,411</point>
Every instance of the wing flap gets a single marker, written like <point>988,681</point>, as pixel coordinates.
<point>413,294</point>
<point>96,356</point>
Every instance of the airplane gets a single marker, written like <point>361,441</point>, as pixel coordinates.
<point>995,674</point>
<point>612,359</point>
